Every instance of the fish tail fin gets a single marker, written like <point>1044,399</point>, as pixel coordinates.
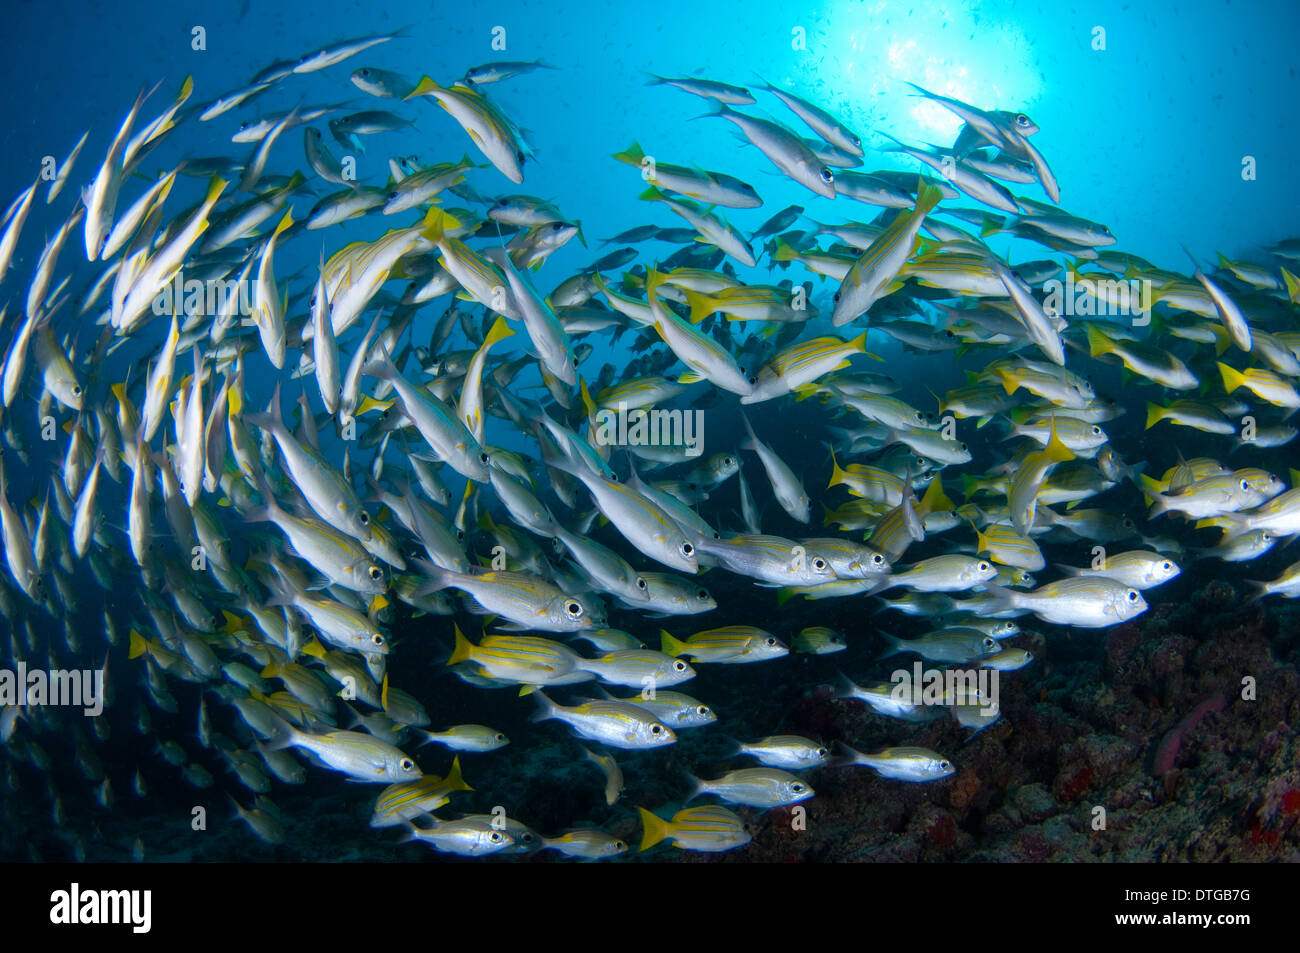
<point>934,500</point>
<point>1258,590</point>
<point>423,88</point>
<point>499,331</point>
<point>271,418</point>
<point>1232,378</point>
<point>1292,286</point>
<point>284,223</point>
<point>545,707</point>
<point>314,649</point>
<point>927,197</point>
<point>286,735</point>
<point>216,186</point>
<point>1002,597</point>
<point>1056,451</point>
<point>1098,343</point>
<point>893,644</point>
<point>751,440</point>
<point>462,650</point>
<point>1155,414</point>
<point>715,109</point>
<point>701,305</point>
<point>437,223</point>
<point>633,155</point>
<point>653,279</point>
<point>455,781</point>
<point>1009,382</point>
<point>670,645</point>
<point>654,828</point>
<point>698,788</point>
<point>838,474</point>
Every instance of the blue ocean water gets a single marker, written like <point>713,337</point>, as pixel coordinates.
<point>1168,123</point>
<point>1147,135</point>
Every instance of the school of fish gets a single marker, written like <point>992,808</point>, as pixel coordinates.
<point>278,564</point>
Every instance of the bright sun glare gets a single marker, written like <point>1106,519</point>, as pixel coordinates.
<point>962,50</point>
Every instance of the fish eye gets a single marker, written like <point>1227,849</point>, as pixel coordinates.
<point>1128,523</point>
<point>822,752</point>
<point>989,643</point>
<point>1022,120</point>
<point>877,560</point>
<point>76,390</point>
<point>855,140</point>
<point>797,788</point>
<point>827,175</point>
<point>945,765</point>
<point>407,764</point>
<point>1132,595</point>
<point>656,729</point>
<point>519,157</point>
<point>525,838</point>
<point>727,461</point>
<point>575,360</point>
<point>574,609</point>
<point>377,640</point>
<point>819,564</point>
<point>460,536</point>
<point>752,379</point>
<point>1266,537</point>
<point>687,550</point>
<point>376,573</point>
<point>642,584</point>
<point>557,226</point>
<point>484,458</point>
<point>392,196</point>
<point>495,837</point>
<point>363,72</point>
<point>498,737</point>
<point>1245,484</point>
<point>1167,565</point>
<point>1096,431</point>
<point>619,845</point>
<point>770,643</point>
<point>363,518</point>
<point>702,594</point>
<point>679,666</point>
<point>702,710</point>
<point>983,567</point>
<point>836,297</point>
